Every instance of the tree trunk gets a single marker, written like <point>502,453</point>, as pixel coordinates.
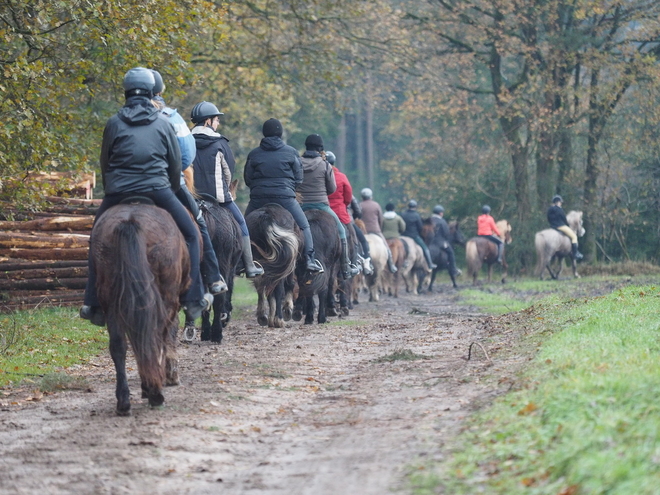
<point>43,273</point>
<point>46,254</point>
<point>369,117</point>
<point>43,284</point>
<point>80,223</point>
<point>18,240</point>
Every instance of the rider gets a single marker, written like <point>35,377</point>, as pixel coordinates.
<point>212,173</point>
<point>355,212</point>
<point>414,230</point>
<point>372,216</point>
<point>209,262</point>
<point>272,172</point>
<point>443,237</point>
<point>339,202</point>
<point>140,155</point>
<point>393,224</point>
<point>558,221</point>
<point>486,228</point>
<point>318,182</point>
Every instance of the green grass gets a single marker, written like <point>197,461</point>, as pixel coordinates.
<point>586,418</point>
<point>41,342</point>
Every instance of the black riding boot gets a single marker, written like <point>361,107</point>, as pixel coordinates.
<point>348,270</point>
<point>577,255</point>
<point>500,250</point>
<point>251,270</point>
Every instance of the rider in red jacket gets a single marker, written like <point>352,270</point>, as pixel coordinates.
<point>486,228</point>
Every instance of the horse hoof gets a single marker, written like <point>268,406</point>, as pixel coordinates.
<point>277,323</point>
<point>297,315</point>
<point>344,311</point>
<point>123,413</point>
<point>286,314</point>
<point>262,320</point>
<point>331,312</point>
<point>156,400</point>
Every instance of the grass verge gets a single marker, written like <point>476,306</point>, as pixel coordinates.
<point>586,418</point>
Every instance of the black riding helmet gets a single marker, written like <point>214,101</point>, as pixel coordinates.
<point>139,82</point>
<point>330,156</point>
<point>485,209</point>
<point>204,110</point>
<point>412,204</point>
<point>159,85</point>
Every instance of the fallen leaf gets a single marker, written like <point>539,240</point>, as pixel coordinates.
<point>528,409</point>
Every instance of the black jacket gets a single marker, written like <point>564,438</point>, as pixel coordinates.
<point>208,178</point>
<point>441,228</point>
<point>273,170</point>
<point>140,151</point>
<point>413,223</point>
<point>556,217</point>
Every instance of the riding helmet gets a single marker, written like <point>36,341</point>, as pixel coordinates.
<point>139,82</point>
<point>485,209</point>
<point>557,199</point>
<point>412,204</point>
<point>159,85</point>
<point>366,193</point>
<point>330,156</point>
<point>204,110</point>
<point>389,207</point>
<point>437,209</point>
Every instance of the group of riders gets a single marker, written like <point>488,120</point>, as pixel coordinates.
<point>148,150</point>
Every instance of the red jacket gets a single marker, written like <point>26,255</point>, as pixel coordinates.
<point>342,196</point>
<point>486,226</point>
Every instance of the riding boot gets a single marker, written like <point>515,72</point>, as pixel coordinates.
<point>348,270</point>
<point>429,260</point>
<point>390,262</point>
<point>311,263</point>
<point>500,251</point>
<point>575,254</point>
<point>251,270</point>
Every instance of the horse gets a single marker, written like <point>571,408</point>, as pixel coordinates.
<point>479,250</point>
<point>225,235</point>
<point>327,249</point>
<point>438,254</point>
<point>391,280</point>
<point>345,285</point>
<point>143,266</point>
<point>552,244</point>
<point>277,243</point>
<point>415,268</point>
<point>378,251</point>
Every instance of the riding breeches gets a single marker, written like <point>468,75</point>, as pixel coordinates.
<point>238,216</point>
<point>566,230</point>
<point>493,239</point>
<point>326,208</point>
<point>362,240</point>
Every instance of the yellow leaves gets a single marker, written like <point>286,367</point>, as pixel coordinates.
<point>528,409</point>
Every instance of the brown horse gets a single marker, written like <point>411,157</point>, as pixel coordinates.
<point>276,242</point>
<point>142,268</point>
<point>391,280</point>
<point>551,244</point>
<point>480,250</point>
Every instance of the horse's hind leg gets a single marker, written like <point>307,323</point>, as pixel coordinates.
<point>262,317</point>
<point>277,299</point>
<point>309,310</point>
<point>171,357</point>
<point>218,312</point>
<point>118,353</point>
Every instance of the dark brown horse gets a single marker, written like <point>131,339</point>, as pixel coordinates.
<point>276,242</point>
<point>142,268</point>
<point>435,245</point>
<point>345,285</point>
<point>327,250</point>
<point>480,250</point>
<point>225,236</point>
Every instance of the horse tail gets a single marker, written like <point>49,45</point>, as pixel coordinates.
<point>472,257</point>
<point>137,305</point>
<point>540,245</point>
<point>278,255</point>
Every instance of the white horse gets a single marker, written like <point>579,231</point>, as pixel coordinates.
<point>552,244</point>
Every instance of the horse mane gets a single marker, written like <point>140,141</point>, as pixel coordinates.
<point>361,225</point>
<point>505,229</point>
<point>574,220</point>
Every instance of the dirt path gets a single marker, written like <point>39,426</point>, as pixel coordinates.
<point>307,409</point>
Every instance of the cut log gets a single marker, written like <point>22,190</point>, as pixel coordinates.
<point>45,254</point>
<point>80,223</point>
<point>9,266</point>
<point>43,284</point>
<point>19,240</point>
<point>45,273</point>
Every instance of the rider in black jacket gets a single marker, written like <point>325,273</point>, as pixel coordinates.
<point>557,220</point>
<point>414,230</point>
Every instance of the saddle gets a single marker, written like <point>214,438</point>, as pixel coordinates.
<point>136,199</point>
<point>205,201</point>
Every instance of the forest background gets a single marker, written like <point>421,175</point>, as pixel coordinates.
<point>457,102</point>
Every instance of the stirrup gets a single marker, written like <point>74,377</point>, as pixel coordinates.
<point>259,270</point>
<point>314,265</point>
<point>218,287</point>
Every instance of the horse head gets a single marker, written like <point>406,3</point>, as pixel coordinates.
<point>575,222</point>
<point>457,236</point>
<point>505,229</point>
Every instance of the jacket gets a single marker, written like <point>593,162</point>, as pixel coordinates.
<point>140,151</point>
<point>273,170</point>
<point>372,216</point>
<point>186,140</point>
<point>556,217</point>
<point>212,174</point>
<point>341,198</point>
<point>441,228</point>
<point>486,226</point>
<point>318,179</point>
<point>413,223</point>
<point>393,225</point>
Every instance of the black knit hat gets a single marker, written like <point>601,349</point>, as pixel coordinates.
<point>272,127</point>
<point>314,142</point>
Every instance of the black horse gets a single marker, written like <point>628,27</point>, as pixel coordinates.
<point>328,251</point>
<point>142,267</point>
<point>225,236</point>
<point>277,242</point>
<point>435,244</point>
<point>345,285</point>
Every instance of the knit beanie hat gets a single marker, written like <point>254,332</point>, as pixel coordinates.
<point>314,142</point>
<point>272,127</point>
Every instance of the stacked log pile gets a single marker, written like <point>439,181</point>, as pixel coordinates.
<point>43,256</point>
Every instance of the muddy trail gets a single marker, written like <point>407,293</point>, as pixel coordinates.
<point>349,407</point>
